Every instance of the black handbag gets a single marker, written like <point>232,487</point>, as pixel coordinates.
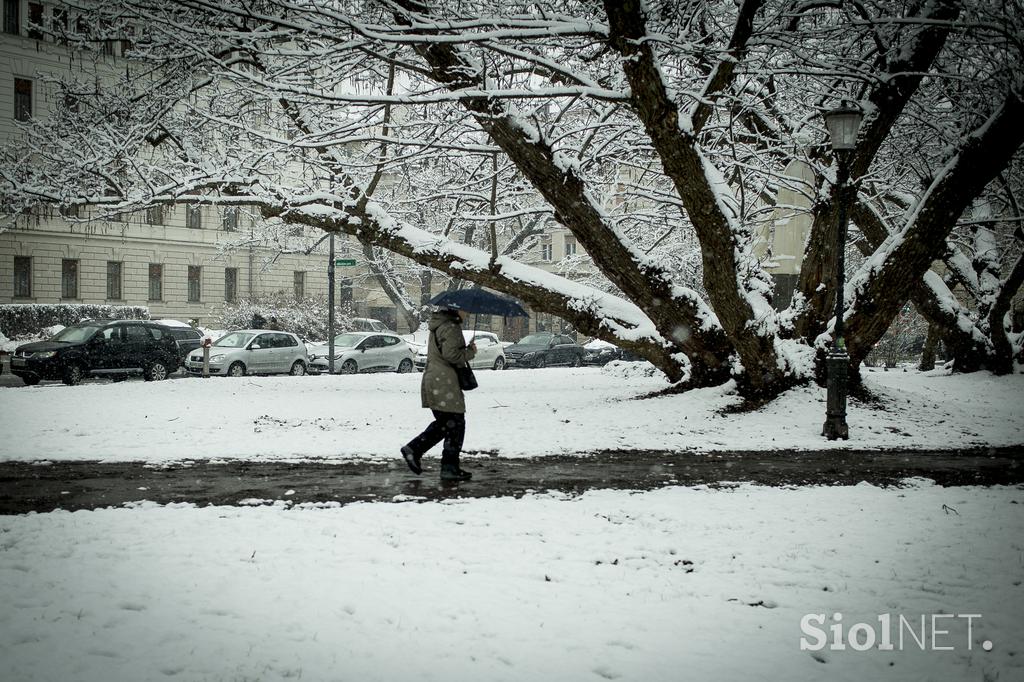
<point>467,380</point>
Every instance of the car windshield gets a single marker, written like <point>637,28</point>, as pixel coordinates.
<point>536,339</point>
<point>74,334</point>
<point>234,340</point>
<point>348,340</point>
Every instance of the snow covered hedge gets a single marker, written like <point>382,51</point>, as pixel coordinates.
<point>306,317</point>
<point>28,319</point>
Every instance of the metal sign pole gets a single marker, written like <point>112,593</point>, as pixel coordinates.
<point>330,308</point>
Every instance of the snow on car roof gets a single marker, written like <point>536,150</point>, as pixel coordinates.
<point>172,323</point>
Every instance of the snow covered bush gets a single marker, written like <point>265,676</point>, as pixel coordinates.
<point>629,370</point>
<point>306,317</point>
<point>22,320</point>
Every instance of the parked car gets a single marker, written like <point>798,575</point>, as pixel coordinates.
<point>113,348</point>
<point>186,337</point>
<point>368,324</point>
<point>600,352</point>
<point>253,351</point>
<point>490,353</point>
<point>544,349</point>
<point>365,352</point>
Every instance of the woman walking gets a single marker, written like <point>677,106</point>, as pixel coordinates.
<point>440,392</point>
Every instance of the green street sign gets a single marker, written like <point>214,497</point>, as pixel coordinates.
<point>345,261</point>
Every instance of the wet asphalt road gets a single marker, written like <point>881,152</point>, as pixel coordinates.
<point>26,487</point>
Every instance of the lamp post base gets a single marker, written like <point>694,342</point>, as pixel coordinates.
<point>836,365</point>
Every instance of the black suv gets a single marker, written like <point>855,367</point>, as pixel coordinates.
<point>114,348</point>
<point>187,338</point>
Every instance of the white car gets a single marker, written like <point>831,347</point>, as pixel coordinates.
<point>364,352</point>
<point>252,351</point>
<point>490,352</point>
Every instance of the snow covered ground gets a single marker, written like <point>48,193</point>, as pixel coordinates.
<point>514,413</point>
<point>677,583</point>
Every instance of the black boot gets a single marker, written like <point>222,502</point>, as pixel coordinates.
<point>452,472</point>
<point>412,459</point>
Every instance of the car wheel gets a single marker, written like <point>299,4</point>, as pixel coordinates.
<point>298,369</point>
<point>349,367</point>
<point>30,381</point>
<point>540,362</point>
<point>156,371</point>
<point>499,363</point>
<point>237,369</point>
<point>405,366</point>
<point>73,375</point>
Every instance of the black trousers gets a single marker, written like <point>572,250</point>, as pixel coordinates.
<point>447,426</point>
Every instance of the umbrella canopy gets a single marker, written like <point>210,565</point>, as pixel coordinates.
<point>480,302</point>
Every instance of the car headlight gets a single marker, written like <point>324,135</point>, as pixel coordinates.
<point>527,356</point>
<point>44,354</point>
<point>217,358</point>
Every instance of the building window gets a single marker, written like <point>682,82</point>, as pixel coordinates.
<point>570,246</point>
<point>22,277</point>
<point>155,215</point>
<point>345,290</point>
<point>545,251</point>
<point>299,280</point>
<point>60,24</point>
<point>156,282</point>
<point>12,17</point>
<point>35,21</point>
<point>69,278</point>
<point>230,284</point>
<point>230,221</point>
<point>114,280</point>
<point>22,99</point>
<point>194,217</point>
<point>194,290</point>
<point>107,45</point>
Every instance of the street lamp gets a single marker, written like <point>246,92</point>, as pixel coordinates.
<point>843,123</point>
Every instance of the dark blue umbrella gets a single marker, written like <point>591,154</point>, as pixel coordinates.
<point>479,302</point>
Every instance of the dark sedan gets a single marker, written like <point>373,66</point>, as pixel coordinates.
<point>601,353</point>
<point>544,349</point>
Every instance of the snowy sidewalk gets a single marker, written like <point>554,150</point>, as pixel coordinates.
<point>91,485</point>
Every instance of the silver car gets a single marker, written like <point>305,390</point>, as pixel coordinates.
<point>490,354</point>
<point>364,352</point>
<point>252,351</point>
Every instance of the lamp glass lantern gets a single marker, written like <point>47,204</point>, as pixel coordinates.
<point>843,123</point>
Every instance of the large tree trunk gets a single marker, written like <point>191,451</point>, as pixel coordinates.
<point>1003,351</point>
<point>879,291</point>
<point>728,265</point>
<point>947,319</point>
<point>680,316</point>
<point>888,98</point>
<point>931,343</point>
